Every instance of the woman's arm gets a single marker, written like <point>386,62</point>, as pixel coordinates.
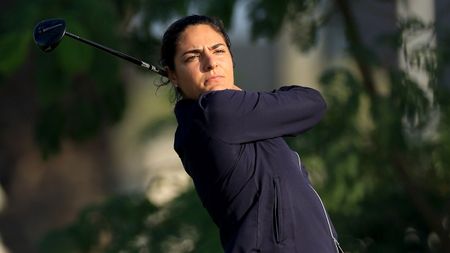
<point>242,116</point>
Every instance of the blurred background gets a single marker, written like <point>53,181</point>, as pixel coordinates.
<point>86,157</point>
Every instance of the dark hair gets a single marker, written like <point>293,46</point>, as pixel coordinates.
<point>172,34</point>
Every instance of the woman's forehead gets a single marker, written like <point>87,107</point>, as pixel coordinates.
<point>200,35</point>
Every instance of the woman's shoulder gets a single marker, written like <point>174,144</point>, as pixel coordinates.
<point>222,98</point>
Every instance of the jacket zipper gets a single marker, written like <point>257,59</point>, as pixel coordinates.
<point>336,243</point>
<point>276,212</point>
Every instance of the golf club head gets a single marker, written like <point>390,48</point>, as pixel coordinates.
<point>48,33</point>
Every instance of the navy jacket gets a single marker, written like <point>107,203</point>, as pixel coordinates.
<point>251,183</point>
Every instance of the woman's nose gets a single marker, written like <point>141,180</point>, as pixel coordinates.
<point>209,61</point>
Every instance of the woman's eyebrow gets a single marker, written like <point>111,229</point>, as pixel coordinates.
<point>217,45</point>
<point>192,51</point>
<point>198,50</point>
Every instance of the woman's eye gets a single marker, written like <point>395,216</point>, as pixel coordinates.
<point>191,58</point>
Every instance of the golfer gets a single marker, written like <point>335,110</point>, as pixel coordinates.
<point>230,142</point>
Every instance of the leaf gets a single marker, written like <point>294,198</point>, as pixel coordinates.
<point>267,17</point>
<point>83,119</point>
<point>50,81</point>
<point>74,57</point>
<point>341,76</point>
<point>49,130</point>
<point>13,50</point>
<point>221,9</point>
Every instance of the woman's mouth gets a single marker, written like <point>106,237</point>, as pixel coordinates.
<point>214,79</point>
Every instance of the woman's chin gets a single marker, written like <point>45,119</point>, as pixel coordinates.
<point>216,86</point>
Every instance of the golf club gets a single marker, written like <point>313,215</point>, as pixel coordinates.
<point>48,33</point>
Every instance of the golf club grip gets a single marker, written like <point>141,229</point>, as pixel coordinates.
<point>119,54</point>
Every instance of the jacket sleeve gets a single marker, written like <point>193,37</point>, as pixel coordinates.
<point>242,116</point>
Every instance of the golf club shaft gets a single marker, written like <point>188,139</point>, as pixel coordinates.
<point>119,54</point>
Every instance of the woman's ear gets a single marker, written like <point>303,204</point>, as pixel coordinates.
<point>172,76</point>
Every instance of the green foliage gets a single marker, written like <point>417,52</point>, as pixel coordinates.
<point>373,166</point>
<point>78,88</point>
<point>73,57</point>
<point>222,9</point>
<point>110,227</point>
<point>186,225</point>
<point>130,223</point>
<point>12,59</point>
<point>268,17</point>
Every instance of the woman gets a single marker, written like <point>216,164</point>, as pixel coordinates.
<point>230,142</point>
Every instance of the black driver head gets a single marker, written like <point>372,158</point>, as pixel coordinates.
<point>48,33</point>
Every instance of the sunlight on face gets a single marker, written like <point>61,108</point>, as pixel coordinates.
<point>203,62</point>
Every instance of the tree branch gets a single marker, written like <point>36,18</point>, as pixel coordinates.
<point>356,45</point>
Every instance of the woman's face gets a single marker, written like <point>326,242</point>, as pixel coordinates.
<point>203,62</point>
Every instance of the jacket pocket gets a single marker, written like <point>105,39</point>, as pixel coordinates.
<point>277,212</point>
